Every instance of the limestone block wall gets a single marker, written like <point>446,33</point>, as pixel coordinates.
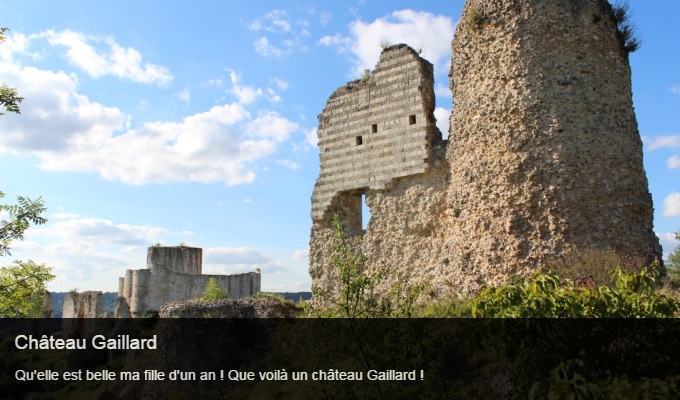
<point>164,281</point>
<point>375,130</point>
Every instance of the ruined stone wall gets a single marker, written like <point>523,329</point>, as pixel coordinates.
<point>83,305</point>
<point>379,139</point>
<point>163,281</point>
<point>544,153</point>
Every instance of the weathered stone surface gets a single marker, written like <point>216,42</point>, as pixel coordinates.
<point>174,274</point>
<point>83,305</point>
<point>544,153</point>
<point>544,148</point>
<point>238,308</point>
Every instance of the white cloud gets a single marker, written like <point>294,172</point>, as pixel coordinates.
<point>273,96</point>
<point>668,242</point>
<point>669,141</point>
<point>301,254</point>
<point>341,43</point>
<point>312,137</point>
<point>279,33</point>
<point>325,18</point>
<point>89,253</point>
<point>265,48</point>
<point>275,21</point>
<point>244,94</point>
<point>674,162</point>
<point>14,43</point>
<point>671,205</point>
<point>69,132</point>
<point>101,231</point>
<point>271,125</point>
<point>288,164</point>
<point>443,91</point>
<point>125,63</point>
<point>416,28</point>
<point>54,116</point>
<point>238,259</point>
<point>674,89</point>
<point>280,83</point>
<point>442,116</point>
<point>185,96</point>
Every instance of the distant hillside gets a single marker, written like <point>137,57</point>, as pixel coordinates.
<point>109,301</point>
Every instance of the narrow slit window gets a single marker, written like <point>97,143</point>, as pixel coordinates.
<point>412,119</point>
<point>374,128</point>
<point>360,141</point>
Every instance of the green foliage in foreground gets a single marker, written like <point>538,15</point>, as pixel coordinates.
<point>214,292</point>
<point>543,295</point>
<point>22,285</point>
<point>22,289</point>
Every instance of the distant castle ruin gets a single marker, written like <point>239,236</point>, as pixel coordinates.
<point>175,274</point>
<point>543,152</point>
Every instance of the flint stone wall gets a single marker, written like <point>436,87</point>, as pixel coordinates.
<point>543,154</point>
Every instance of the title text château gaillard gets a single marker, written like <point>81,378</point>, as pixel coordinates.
<point>99,342</point>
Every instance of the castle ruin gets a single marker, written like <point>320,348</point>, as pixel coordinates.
<point>175,274</point>
<point>543,152</point>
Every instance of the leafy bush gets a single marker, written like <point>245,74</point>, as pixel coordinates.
<point>544,295</point>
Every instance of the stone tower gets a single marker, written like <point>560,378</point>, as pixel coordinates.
<point>544,151</point>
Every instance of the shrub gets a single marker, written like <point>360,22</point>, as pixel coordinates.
<point>625,29</point>
<point>578,263</point>
<point>214,292</point>
<point>673,261</point>
<point>357,296</point>
<point>544,295</point>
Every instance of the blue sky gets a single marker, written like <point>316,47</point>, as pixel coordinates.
<point>195,122</point>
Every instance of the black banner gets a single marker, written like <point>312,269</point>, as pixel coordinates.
<point>338,358</point>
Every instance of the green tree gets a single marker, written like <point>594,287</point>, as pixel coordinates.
<point>9,97</point>
<point>21,215</point>
<point>22,285</point>
<point>214,292</point>
<point>673,261</point>
<point>22,289</point>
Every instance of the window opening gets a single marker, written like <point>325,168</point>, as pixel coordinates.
<point>365,213</point>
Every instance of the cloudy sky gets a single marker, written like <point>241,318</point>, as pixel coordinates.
<point>195,122</point>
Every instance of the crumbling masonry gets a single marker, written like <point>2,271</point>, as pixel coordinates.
<point>544,151</point>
